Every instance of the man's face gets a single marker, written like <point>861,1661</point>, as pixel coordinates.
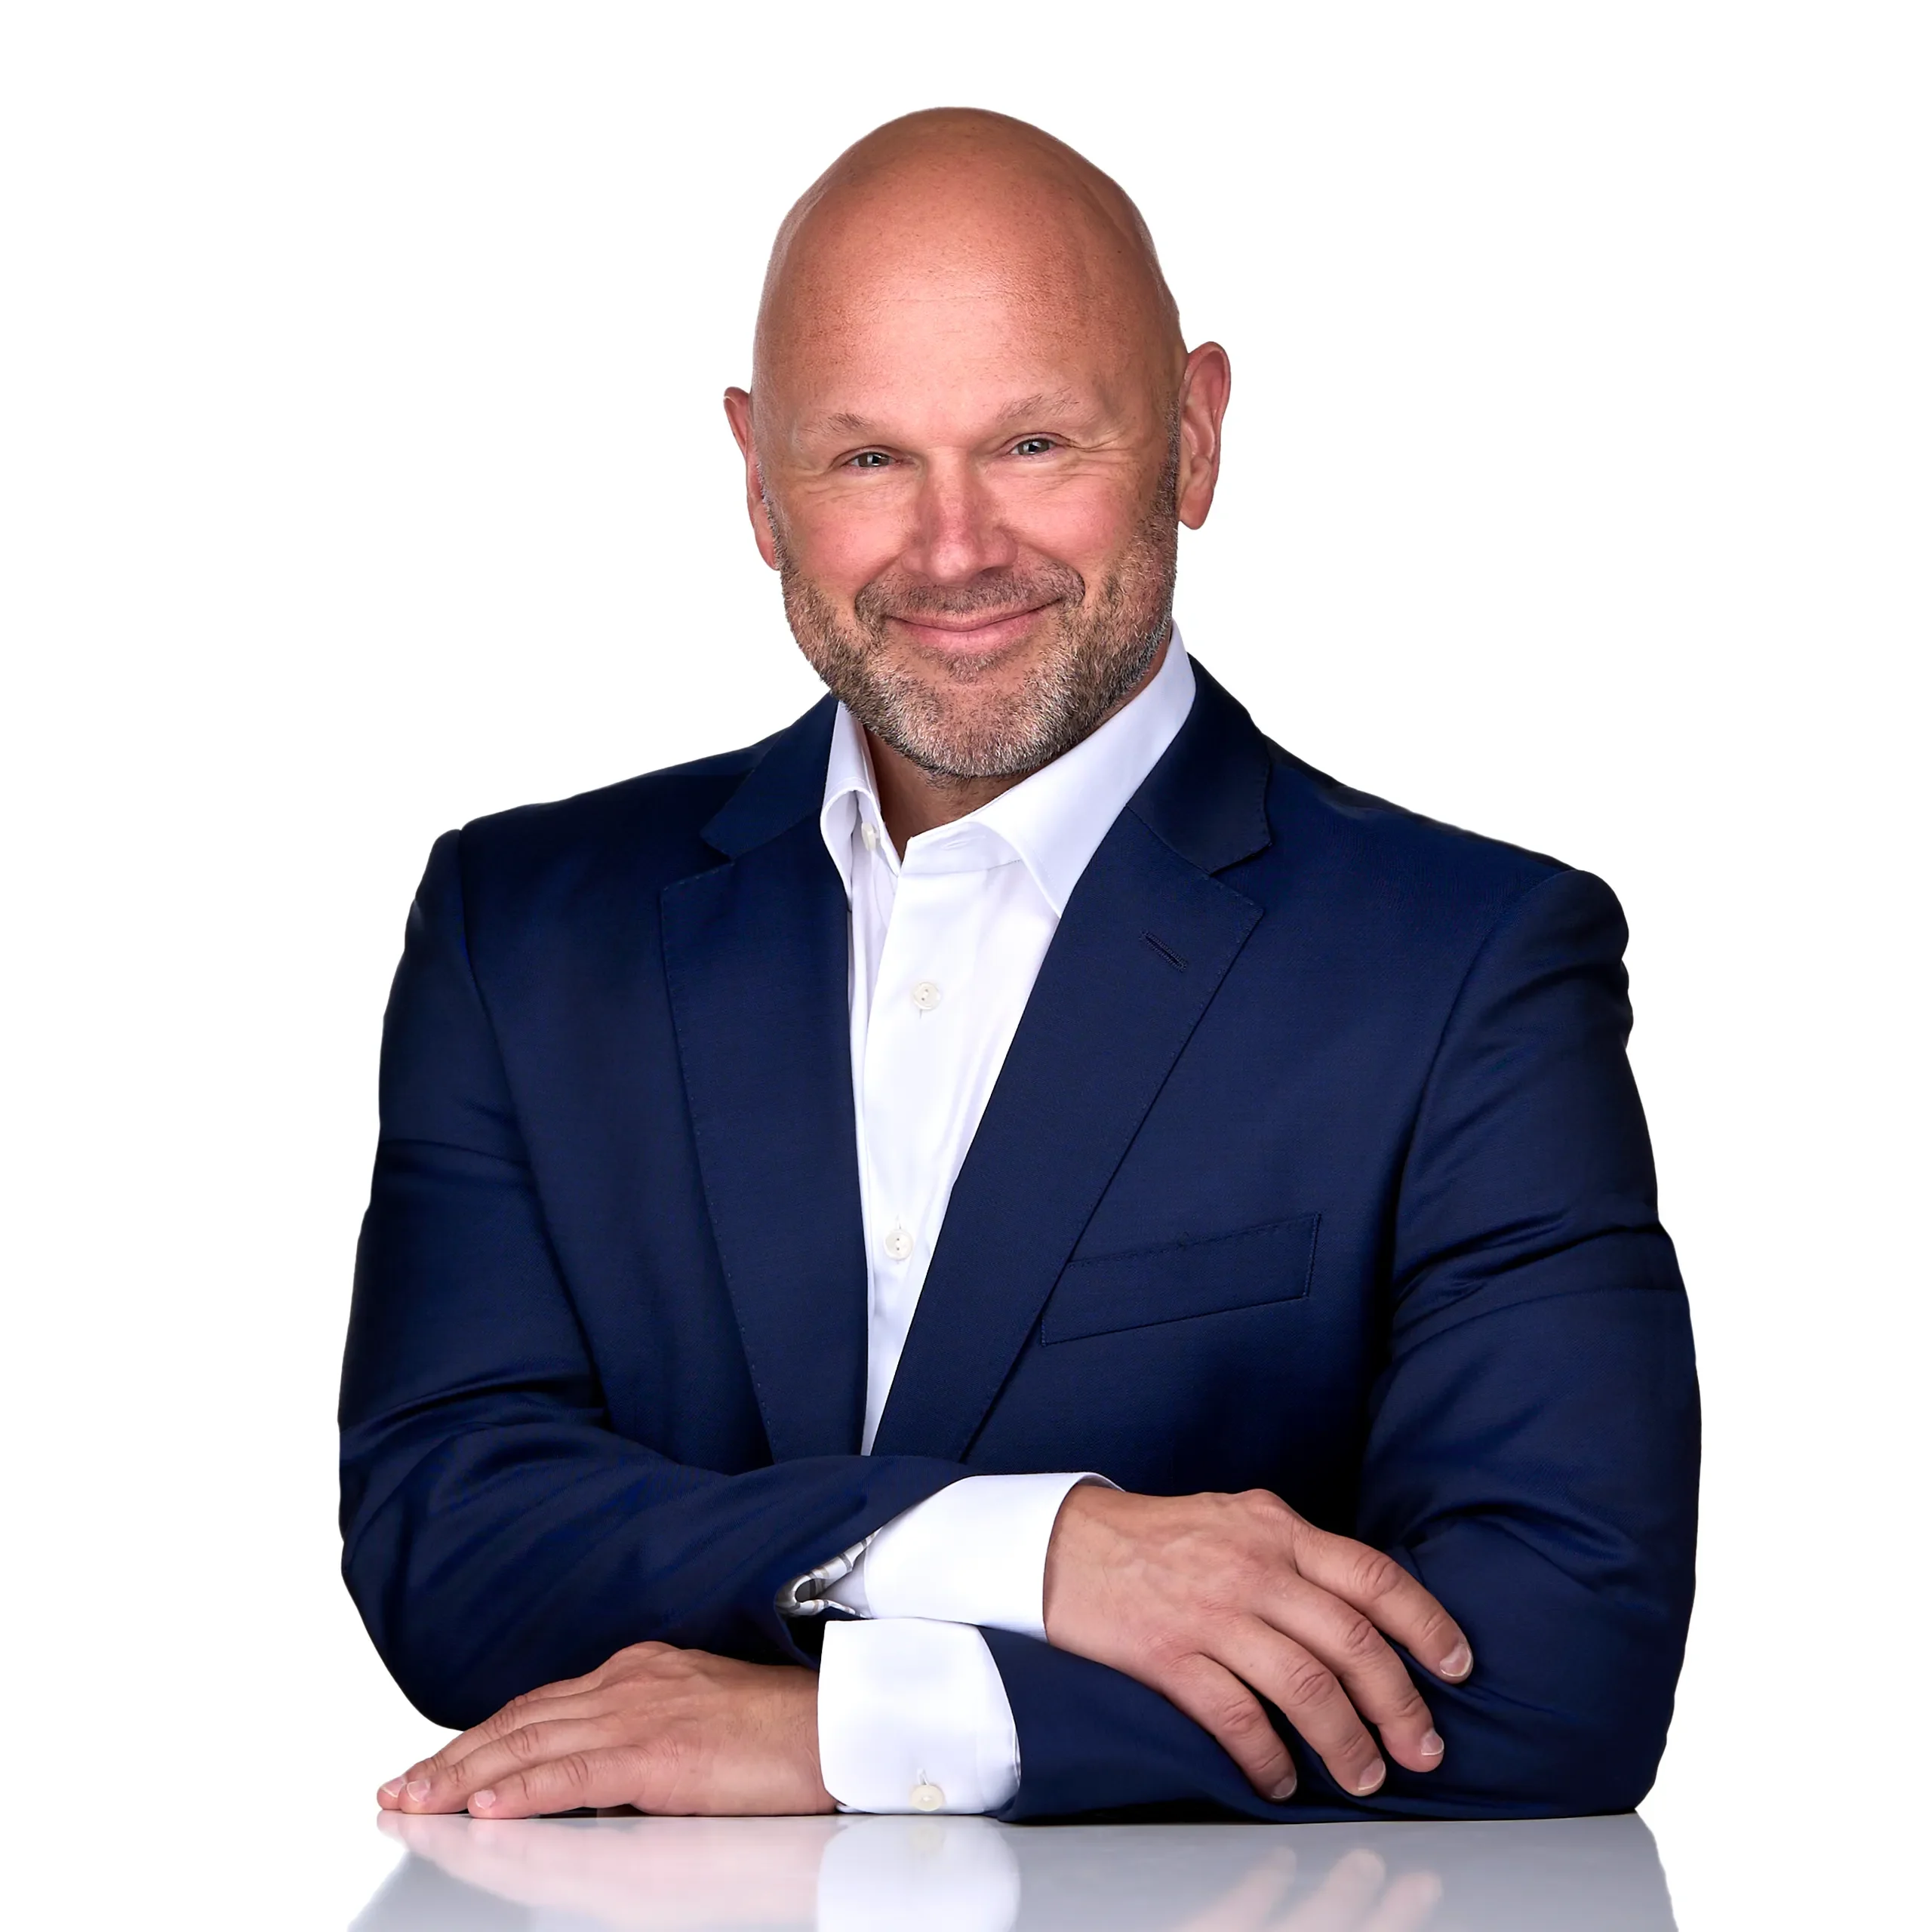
<point>970,477</point>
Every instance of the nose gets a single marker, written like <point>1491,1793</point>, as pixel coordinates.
<point>959,531</point>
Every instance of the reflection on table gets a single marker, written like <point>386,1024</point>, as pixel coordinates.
<point>967,1875</point>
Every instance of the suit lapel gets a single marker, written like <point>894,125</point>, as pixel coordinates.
<point>755,955</point>
<point>1148,936</point>
<point>755,961</point>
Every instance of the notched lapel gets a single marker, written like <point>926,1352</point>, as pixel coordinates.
<point>754,957</point>
<point>1147,939</point>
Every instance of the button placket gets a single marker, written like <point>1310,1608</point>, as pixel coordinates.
<point>911,1053</point>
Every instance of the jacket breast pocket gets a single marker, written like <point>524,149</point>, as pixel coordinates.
<point>1100,1294</point>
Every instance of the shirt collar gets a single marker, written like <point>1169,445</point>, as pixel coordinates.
<point>1054,820</point>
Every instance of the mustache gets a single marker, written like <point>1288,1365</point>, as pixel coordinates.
<point>994,591</point>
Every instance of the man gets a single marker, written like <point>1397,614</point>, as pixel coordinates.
<point>1012,1248</point>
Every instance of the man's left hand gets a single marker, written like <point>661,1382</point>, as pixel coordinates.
<point>664,1730</point>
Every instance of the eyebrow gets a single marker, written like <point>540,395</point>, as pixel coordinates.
<point>843,422</point>
<point>847,423</point>
<point>1038,404</point>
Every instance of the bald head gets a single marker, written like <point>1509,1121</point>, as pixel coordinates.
<point>955,204</point>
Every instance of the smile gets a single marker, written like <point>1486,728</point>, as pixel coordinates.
<point>971,635</point>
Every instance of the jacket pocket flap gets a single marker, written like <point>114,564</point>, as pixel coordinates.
<point>1098,1294</point>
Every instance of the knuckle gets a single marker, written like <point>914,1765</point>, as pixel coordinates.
<point>1374,1575</point>
<point>1167,1652</point>
<point>527,1746</point>
<point>652,1769</point>
<point>1241,1718</point>
<point>656,1662</point>
<point>1308,1684</point>
<point>1358,1640</point>
<point>1408,1707</point>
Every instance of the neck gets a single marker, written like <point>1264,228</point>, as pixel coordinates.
<point>912,800</point>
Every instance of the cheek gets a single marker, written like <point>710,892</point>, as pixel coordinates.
<point>842,539</point>
<point>1087,520</point>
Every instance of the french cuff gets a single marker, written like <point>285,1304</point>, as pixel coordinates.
<point>974,1553</point>
<point>912,1717</point>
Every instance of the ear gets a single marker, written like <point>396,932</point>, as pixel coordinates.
<point>1205,380</point>
<point>738,413</point>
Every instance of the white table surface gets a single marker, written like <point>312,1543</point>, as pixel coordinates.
<point>967,1875</point>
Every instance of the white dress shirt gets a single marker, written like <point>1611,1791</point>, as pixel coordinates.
<point>945,944</point>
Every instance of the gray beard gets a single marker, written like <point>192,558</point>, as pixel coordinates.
<point>1097,657</point>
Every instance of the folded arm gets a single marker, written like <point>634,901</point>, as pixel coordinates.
<point>1531,1458</point>
<point>498,1533</point>
<point>1531,1447</point>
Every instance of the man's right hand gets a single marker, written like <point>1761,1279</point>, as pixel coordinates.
<point>1201,1596</point>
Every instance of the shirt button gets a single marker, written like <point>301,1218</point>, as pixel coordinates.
<point>925,995</point>
<point>871,837</point>
<point>927,1797</point>
<point>898,1243</point>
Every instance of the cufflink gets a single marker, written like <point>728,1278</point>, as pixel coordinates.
<point>804,1596</point>
<point>926,1797</point>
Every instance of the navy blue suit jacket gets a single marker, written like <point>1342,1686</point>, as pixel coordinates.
<point>1315,1165</point>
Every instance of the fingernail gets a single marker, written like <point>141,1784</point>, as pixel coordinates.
<point>1371,1779</point>
<point>1285,1789</point>
<point>393,1787</point>
<point>1431,1745</point>
<point>482,1800</point>
<point>418,1788</point>
<point>1456,1665</point>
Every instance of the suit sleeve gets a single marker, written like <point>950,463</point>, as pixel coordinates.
<point>498,1533</point>
<point>1532,1444</point>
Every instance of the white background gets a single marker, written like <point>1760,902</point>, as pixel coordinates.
<point>362,469</point>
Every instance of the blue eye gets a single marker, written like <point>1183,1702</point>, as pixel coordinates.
<point>1032,446</point>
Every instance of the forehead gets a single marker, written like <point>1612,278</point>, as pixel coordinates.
<point>938,308</point>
